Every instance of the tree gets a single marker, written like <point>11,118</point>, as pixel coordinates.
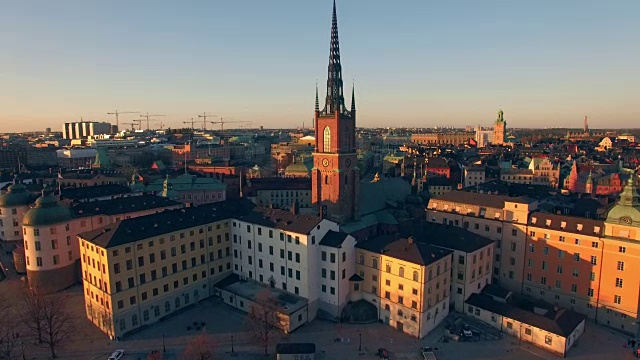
<point>9,335</point>
<point>263,319</point>
<point>31,312</point>
<point>155,355</point>
<point>199,348</point>
<point>56,322</point>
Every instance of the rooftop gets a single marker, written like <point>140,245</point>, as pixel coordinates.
<point>289,303</point>
<point>404,249</point>
<point>281,219</point>
<point>89,192</point>
<point>560,322</point>
<point>333,239</point>
<point>480,199</point>
<point>448,237</point>
<point>121,205</point>
<point>566,223</point>
<point>132,230</point>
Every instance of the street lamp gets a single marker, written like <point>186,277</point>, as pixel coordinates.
<point>232,344</point>
<point>164,348</point>
<point>360,341</point>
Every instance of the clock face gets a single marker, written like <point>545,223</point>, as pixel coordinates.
<point>347,162</point>
<point>325,162</point>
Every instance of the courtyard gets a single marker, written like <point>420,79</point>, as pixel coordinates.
<point>227,328</point>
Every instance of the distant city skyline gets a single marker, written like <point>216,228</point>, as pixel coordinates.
<point>418,64</point>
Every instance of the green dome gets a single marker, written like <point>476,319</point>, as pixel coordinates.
<point>46,211</point>
<point>627,210</point>
<point>17,195</point>
<point>135,185</point>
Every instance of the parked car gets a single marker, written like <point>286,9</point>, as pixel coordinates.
<point>383,353</point>
<point>466,332</point>
<point>117,355</point>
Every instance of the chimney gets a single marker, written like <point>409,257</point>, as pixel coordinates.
<point>295,208</point>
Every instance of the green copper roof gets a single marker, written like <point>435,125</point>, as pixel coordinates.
<point>135,185</point>
<point>16,195</point>
<point>102,160</point>
<point>627,210</point>
<point>46,211</point>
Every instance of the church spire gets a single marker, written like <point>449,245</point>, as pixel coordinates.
<point>335,97</point>
<point>317,100</point>
<point>353,98</point>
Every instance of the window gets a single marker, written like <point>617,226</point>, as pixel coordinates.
<point>545,250</point>
<point>375,263</point>
<point>509,325</point>
<point>594,244</point>
<point>621,265</point>
<point>513,246</point>
<point>543,280</point>
<point>561,254</point>
<point>529,277</point>
<point>574,288</point>
<point>622,249</point>
<point>514,232</point>
<point>327,139</point>
<point>559,284</point>
<point>590,292</point>
<point>562,239</point>
<point>576,256</point>
<point>594,260</point>
<point>531,247</point>
<point>618,282</point>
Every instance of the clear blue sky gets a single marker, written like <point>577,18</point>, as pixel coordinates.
<point>415,62</point>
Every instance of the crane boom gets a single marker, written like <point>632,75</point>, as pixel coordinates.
<point>222,122</point>
<point>147,116</point>
<point>116,113</point>
<point>204,117</point>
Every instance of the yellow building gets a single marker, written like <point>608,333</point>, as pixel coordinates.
<point>407,281</point>
<point>137,271</point>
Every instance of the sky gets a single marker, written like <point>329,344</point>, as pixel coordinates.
<point>424,63</point>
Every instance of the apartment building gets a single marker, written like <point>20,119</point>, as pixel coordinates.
<point>49,230</point>
<point>588,265</point>
<point>282,249</point>
<point>474,175</point>
<point>472,259</point>
<point>545,172</point>
<point>500,218</point>
<point>406,279</point>
<point>137,271</point>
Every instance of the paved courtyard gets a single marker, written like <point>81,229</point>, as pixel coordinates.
<point>333,341</point>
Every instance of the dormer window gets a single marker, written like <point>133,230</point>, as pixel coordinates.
<point>579,227</point>
<point>548,222</point>
<point>497,215</point>
<point>534,220</point>
<point>563,224</point>
<point>596,229</point>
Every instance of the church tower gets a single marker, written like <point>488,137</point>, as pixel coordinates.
<point>499,129</point>
<point>335,175</point>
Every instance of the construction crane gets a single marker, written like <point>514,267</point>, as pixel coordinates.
<point>132,124</point>
<point>222,122</point>
<point>190,122</point>
<point>204,117</point>
<point>147,116</point>
<point>116,113</point>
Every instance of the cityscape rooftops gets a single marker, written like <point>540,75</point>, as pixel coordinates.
<point>122,205</point>
<point>480,199</point>
<point>333,239</point>
<point>282,220</point>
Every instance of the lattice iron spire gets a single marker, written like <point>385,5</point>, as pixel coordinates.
<point>317,100</point>
<point>353,98</point>
<point>335,97</point>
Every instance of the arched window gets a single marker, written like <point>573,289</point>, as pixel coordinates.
<point>401,272</point>
<point>415,276</point>
<point>327,140</point>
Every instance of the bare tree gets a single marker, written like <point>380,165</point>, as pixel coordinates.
<point>200,348</point>
<point>155,355</point>
<point>9,332</point>
<point>56,322</point>
<point>31,312</point>
<point>263,319</point>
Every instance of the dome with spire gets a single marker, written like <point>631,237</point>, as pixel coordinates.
<point>16,195</point>
<point>46,211</point>
<point>627,210</point>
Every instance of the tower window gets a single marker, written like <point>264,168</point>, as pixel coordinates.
<point>327,139</point>
<point>326,179</point>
